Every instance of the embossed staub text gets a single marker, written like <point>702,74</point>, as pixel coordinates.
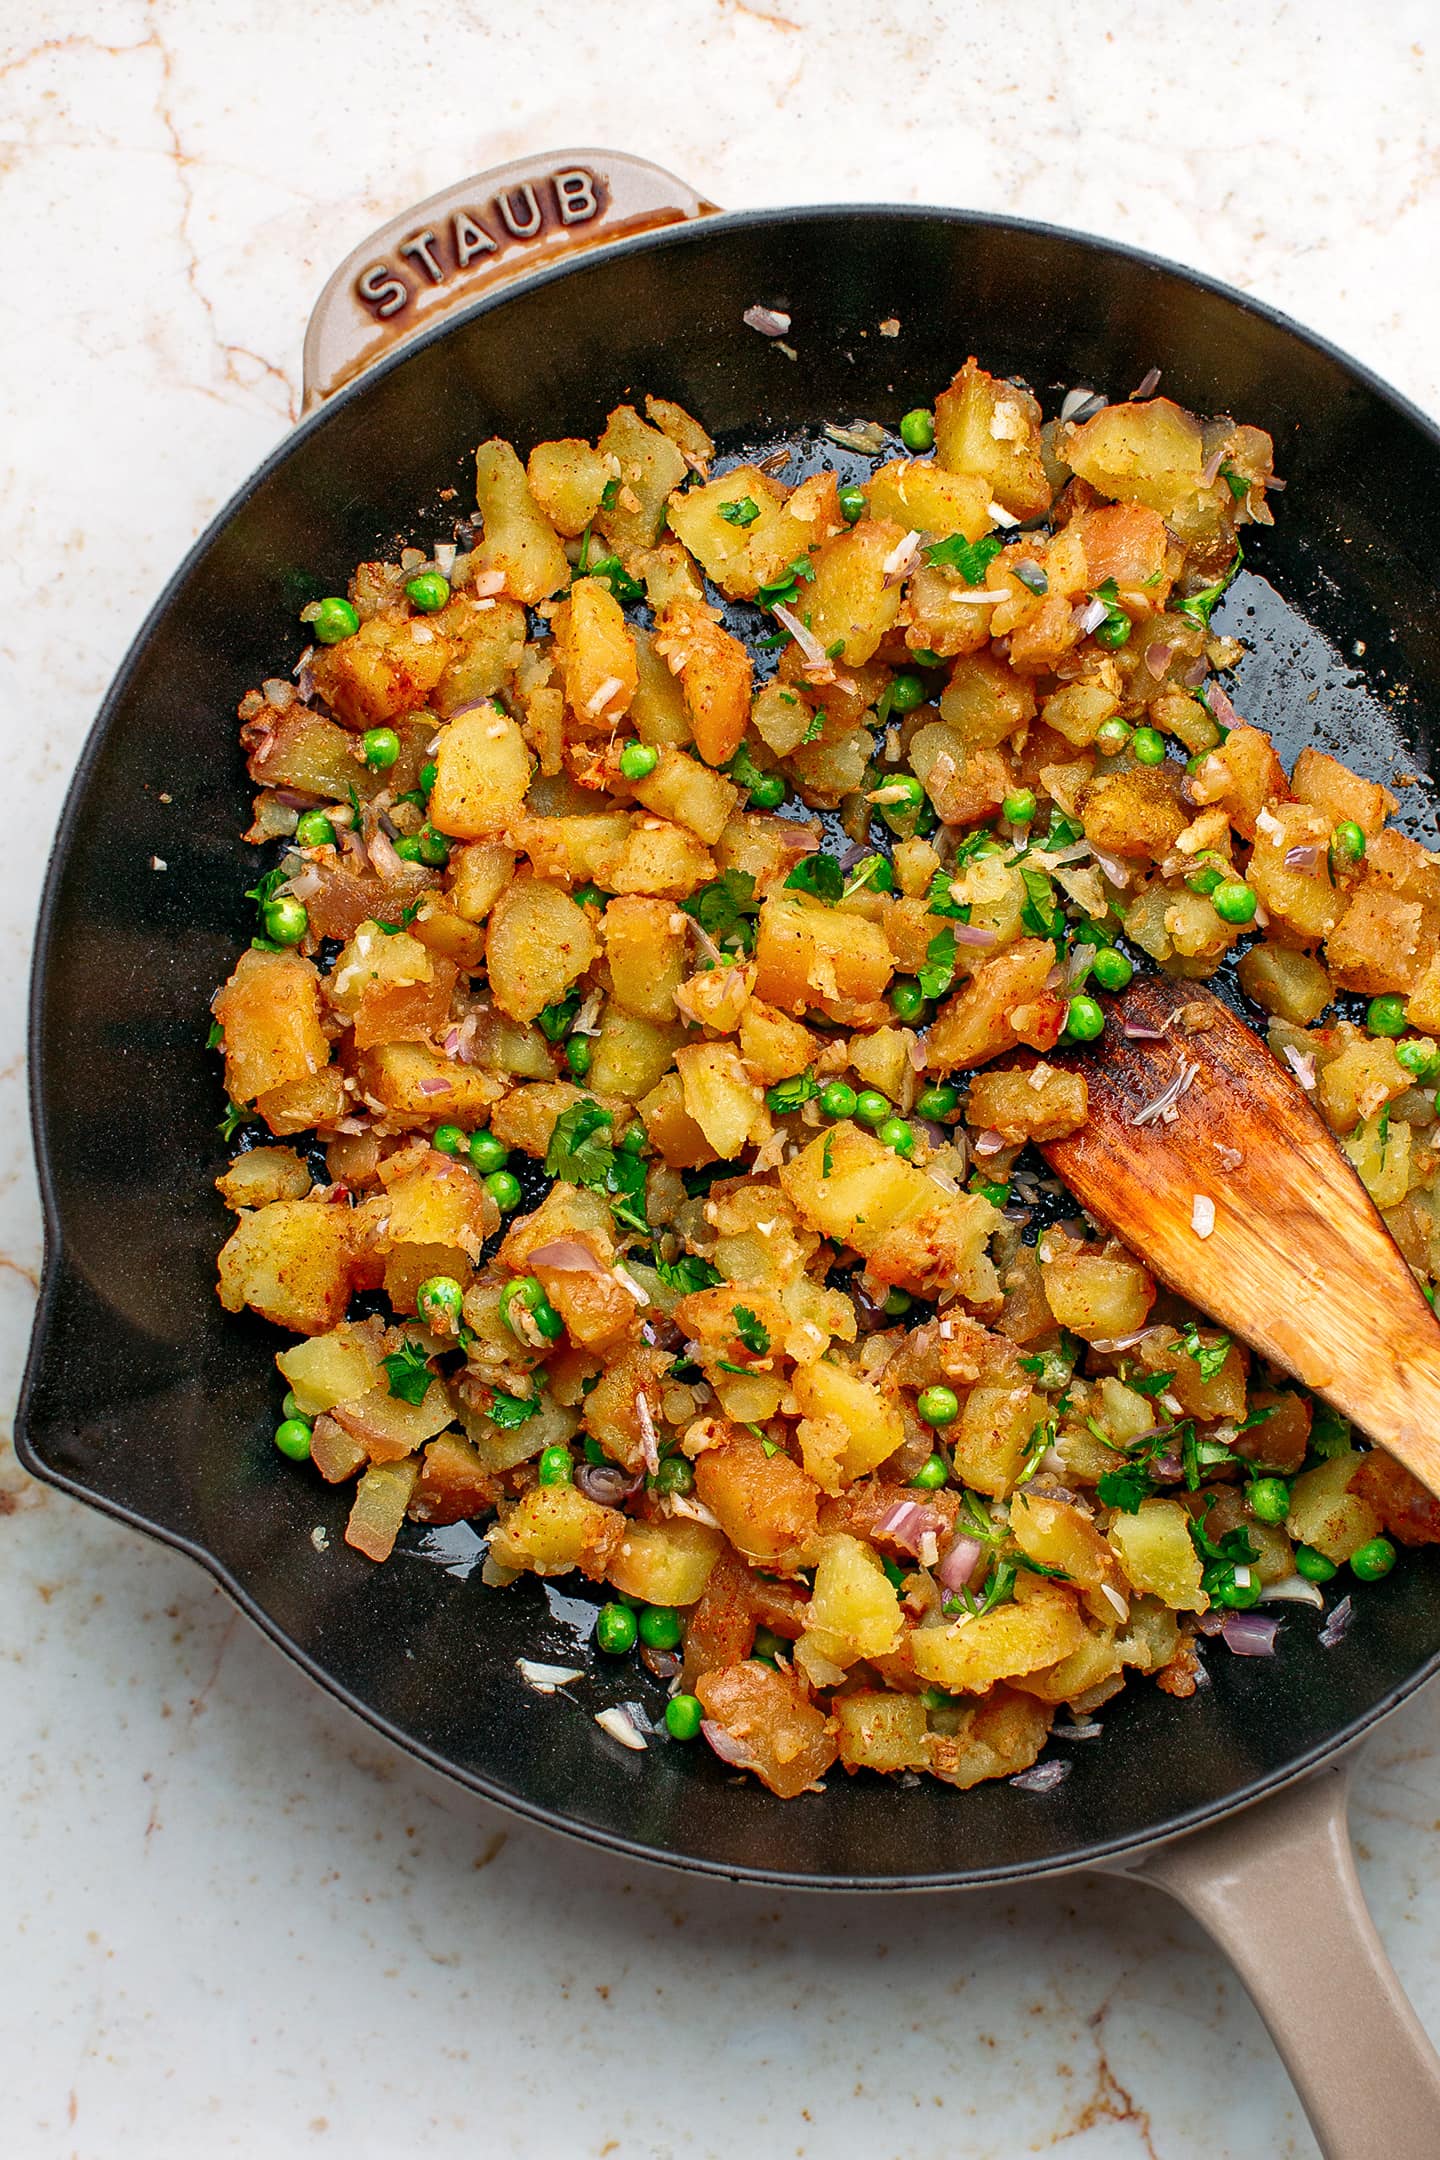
<point>439,253</point>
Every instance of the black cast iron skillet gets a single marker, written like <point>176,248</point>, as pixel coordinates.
<point>144,1398</point>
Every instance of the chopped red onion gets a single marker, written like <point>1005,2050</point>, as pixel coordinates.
<point>808,643</point>
<point>1305,858</point>
<point>902,559</point>
<point>1043,1778</point>
<point>1210,1623</point>
<point>384,859</point>
<point>621,1726</point>
<point>295,798</point>
<point>866,436</point>
<point>1211,470</point>
<point>567,1256</point>
<point>1141,1031</point>
<point>1157,658</point>
<point>607,1482</point>
<point>1222,710</point>
<point>1194,674</point>
<point>1302,1064</point>
<point>917,1053</point>
<point>1078,966</point>
<point>959,1563</point>
<point>770,322</point>
<point>1168,1097</point>
<point>1249,1634</point>
<point>1113,867</point>
<point>1056,858</point>
<point>1090,616</point>
<point>988,1142</point>
<point>1090,1730</point>
<point>1148,384</point>
<point>649,1438</point>
<point>730,1749</point>
<point>1337,1627</point>
<point>976,934</point>
<point>435,1086</point>
<point>1080,405</point>
<point>907,1524</point>
<point>1168,1466</point>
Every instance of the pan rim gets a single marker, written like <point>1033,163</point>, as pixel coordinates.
<point>1106,1853</point>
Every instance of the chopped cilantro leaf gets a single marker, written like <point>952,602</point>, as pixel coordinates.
<point>235,1116</point>
<point>508,1411</point>
<point>894,1573</point>
<point>265,891</point>
<point>407,1372</point>
<point>1030,574</point>
<point>610,570</point>
<point>610,493</point>
<point>724,909</point>
<point>1329,1431</point>
<point>554,1021</point>
<point>865,873</point>
<point>407,916</point>
<point>819,874</point>
<point>826,1164</point>
<point>787,1095</point>
<point>972,558</point>
<point>1208,1356</point>
<point>1154,1383</point>
<point>1258,1417</point>
<point>936,976</point>
<point>815,730</point>
<point>1041,913</point>
<point>1237,483</point>
<point>751,1331</point>
<point>784,591</point>
<point>1200,606</point>
<point>687,1274</point>
<point>743,511</point>
<point>576,1152</point>
<point>1125,1488</point>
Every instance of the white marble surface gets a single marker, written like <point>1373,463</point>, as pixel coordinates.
<point>231,1920</point>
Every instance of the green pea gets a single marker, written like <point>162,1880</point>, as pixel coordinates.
<point>838,1099</point>
<point>660,1627</point>
<point>1386,1016</point>
<point>675,1475</point>
<point>871,1107</point>
<point>450,1140</point>
<point>434,848</point>
<point>615,1630</point>
<point>439,1297</point>
<point>429,774</point>
<point>852,504</point>
<point>907,999</point>
<point>314,829</point>
<point>1111,968</point>
<point>904,797</point>
<point>556,1468</point>
<point>577,1055</point>
<point>1348,841</point>
<point>1084,1019</point>
<point>504,1189</point>
<point>897,1134</point>
<point>334,620</point>
<point>285,920</point>
<point>1111,737</point>
<point>917,429</point>
<point>487,1153</point>
<point>1205,880</point>
<point>769,1645</point>
<point>938,1405</point>
<point>292,1437</point>
<point>897,1304</point>
<point>906,692</point>
<point>932,1473</point>
<point>683,1717</point>
<point>290,1408</point>
<point>1373,1560</point>
<point>938,1102</point>
<point>1019,808</point>
<point>408,848</point>
<point>528,1293</point>
<point>768,791</point>
<point>1225,1589</point>
<point>638,760</point>
<point>380,746</point>
<point>428,592</point>
<point>1422,1064</point>
<point>1114,631</point>
<point>1233,901</point>
<point>589,896</point>
<point>1313,1565</point>
<point>987,1188</point>
<point>1148,745</point>
<point>1269,1499</point>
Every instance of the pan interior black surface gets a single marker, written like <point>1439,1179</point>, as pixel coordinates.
<point>145,1397</point>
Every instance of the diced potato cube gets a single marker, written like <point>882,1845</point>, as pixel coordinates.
<point>553,1528</point>
<point>1098,1295</point>
<point>333,1368</point>
<point>597,654</point>
<point>388,1427</point>
<point>1339,794</point>
<point>1325,1513</point>
<point>1061,1536</point>
<point>765,1504</point>
<point>482,770</point>
<point>1003,1734</point>
<point>772,1044</point>
<point>269,1012</point>
<point>807,954</point>
<point>849,601</point>
<point>1242,776</point>
<point>1157,1554</point>
<point>1380,1152</point>
<point>537,942</point>
<point>651,468</point>
<point>1293,985</point>
<point>985,702</point>
<point>420,1087</point>
<point>567,479</point>
<point>388,669</point>
<point>1358,1082</point>
<point>992,429</point>
<point>847,1427</point>
<point>1151,452</point>
<point>1303,902</point>
<point>926,498</point>
<point>646,953</point>
<point>721,1098</point>
<point>657,858</point>
<point>715,677</point>
<point>788,1740</point>
<point>968,1656</point>
<point>630,1056</point>
<point>994,1430</point>
<point>664,1563</point>
<point>1376,945</point>
<point>381,1499</point>
<point>454,1483</point>
<point>881,1731</point>
<point>1132,813</point>
<point>486,640</point>
<point>853,1604</point>
<point>689,794</point>
<point>264,1174</point>
<point>517,540</point>
<point>1011,1103</point>
<point>1004,1003</point>
<point>291,1262</point>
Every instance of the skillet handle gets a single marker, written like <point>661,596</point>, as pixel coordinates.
<point>1277,1891</point>
<point>469,238</point>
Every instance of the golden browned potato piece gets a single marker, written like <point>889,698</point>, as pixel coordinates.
<point>537,941</point>
<point>269,1015</point>
<point>714,671</point>
<point>482,770</point>
<point>773,1729</point>
<point>1004,1003</point>
<point>992,429</point>
<point>518,542</point>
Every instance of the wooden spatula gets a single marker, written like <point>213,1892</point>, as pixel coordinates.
<point>1298,1262</point>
